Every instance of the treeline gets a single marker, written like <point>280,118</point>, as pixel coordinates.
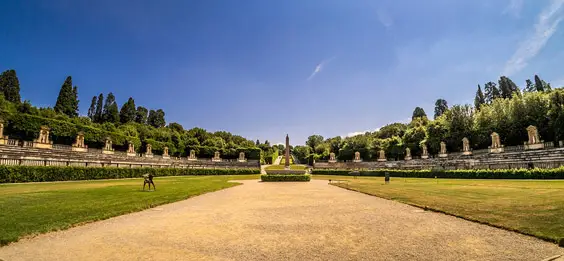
<point>131,123</point>
<point>501,107</point>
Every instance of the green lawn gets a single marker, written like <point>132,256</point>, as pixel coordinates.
<point>534,207</point>
<point>284,160</point>
<point>278,167</point>
<point>32,208</point>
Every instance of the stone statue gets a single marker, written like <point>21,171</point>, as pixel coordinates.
<point>192,155</point>
<point>108,144</point>
<point>466,146</point>
<point>149,149</point>
<point>79,143</point>
<point>443,151</point>
<point>43,140</point>
<point>382,155</point>
<point>357,157</point>
<point>496,146</point>
<point>242,157</point>
<point>495,141</point>
<point>407,154</point>
<point>533,135</point>
<point>425,153</point>
<point>165,152</point>
<point>131,148</point>
<point>332,157</point>
<point>216,156</point>
<point>3,139</point>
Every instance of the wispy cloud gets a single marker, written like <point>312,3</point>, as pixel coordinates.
<point>385,18</point>
<point>514,8</point>
<point>545,27</point>
<point>320,67</point>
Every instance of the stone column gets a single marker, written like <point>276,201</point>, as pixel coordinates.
<point>287,154</point>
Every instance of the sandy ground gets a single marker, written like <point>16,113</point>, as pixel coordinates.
<point>282,221</point>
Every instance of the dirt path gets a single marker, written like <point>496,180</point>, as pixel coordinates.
<point>282,221</point>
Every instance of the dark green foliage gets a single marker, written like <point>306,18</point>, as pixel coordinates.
<point>557,173</point>
<point>529,86</point>
<point>111,113</point>
<point>92,109</point>
<point>491,92</point>
<point>313,141</point>
<point>441,106</point>
<point>561,242</point>
<point>128,111</point>
<point>67,101</point>
<point>10,86</point>
<point>18,174</point>
<point>539,84</point>
<point>99,115</point>
<point>479,99</point>
<point>507,87</point>
<point>156,118</point>
<point>418,113</point>
<point>284,178</point>
<point>141,115</point>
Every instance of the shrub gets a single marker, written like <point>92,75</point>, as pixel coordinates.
<point>557,173</point>
<point>13,174</point>
<point>281,178</point>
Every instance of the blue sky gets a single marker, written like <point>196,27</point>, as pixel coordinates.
<point>262,69</point>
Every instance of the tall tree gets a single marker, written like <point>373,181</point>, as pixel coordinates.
<point>141,115</point>
<point>479,99</point>
<point>313,141</point>
<point>156,118</point>
<point>507,87</point>
<point>10,86</point>
<point>67,102</point>
<point>418,113</point>
<point>491,92</point>
<point>92,109</point>
<point>257,143</point>
<point>539,84</point>
<point>99,115</point>
<point>441,107</point>
<point>128,112</point>
<point>529,86</point>
<point>111,113</point>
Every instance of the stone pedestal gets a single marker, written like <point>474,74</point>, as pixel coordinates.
<point>536,146</point>
<point>407,158</point>
<point>43,145</point>
<point>148,155</point>
<point>192,158</point>
<point>216,159</point>
<point>4,140</point>
<point>496,150</point>
<point>131,154</point>
<point>242,160</point>
<point>424,156</point>
<point>332,161</point>
<point>79,149</point>
<point>382,160</point>
<point>107,152</point>
<point>444,155</point>
<point>166,157</point>
<point>357,160</point>
<point>467,153</point>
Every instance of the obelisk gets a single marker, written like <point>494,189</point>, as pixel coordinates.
<point>287,154</point>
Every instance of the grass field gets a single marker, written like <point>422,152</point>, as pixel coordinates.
<point>278,167</point>
<point>283,160</point>
<point>534,207</point>
<point>32,208</point>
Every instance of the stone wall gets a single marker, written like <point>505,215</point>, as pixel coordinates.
<point>546,158</point>
<point>63,156</point>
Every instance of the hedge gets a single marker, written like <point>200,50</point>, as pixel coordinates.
<point>557,173</point>
<point>13,174</point>
<point>281,178</point>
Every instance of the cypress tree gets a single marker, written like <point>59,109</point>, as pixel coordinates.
<point>539,84</point>
<point>128,112</point>
<point>151,118</point>
<point>418,113</point>
<point>141,115</point>
<point>507,87</point>
<point>111,112</point>
<point>160,119</point>
<point>67,102</point>
<point>479,99</point>
<point>99,115</point>
<point>491,92</point>
<point>92,109</point>
<point>441,106</point>
<point>10,86</point>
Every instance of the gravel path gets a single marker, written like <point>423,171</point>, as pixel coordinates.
<point>282,221</point>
